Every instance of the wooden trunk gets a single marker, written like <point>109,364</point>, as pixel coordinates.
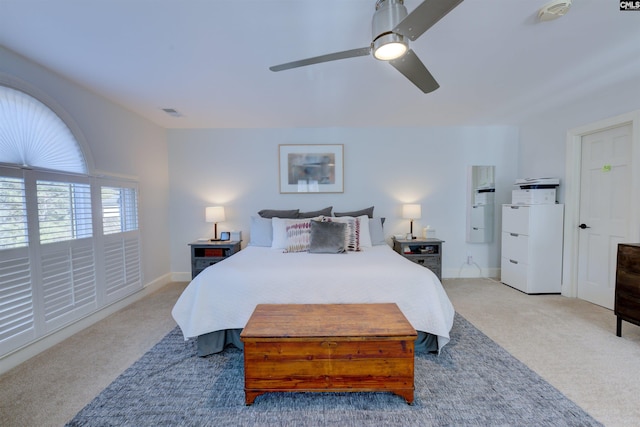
<point>328,347</point>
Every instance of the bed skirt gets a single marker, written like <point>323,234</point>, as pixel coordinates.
<point>215,342</point>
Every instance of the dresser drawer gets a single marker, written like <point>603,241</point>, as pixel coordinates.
<point>515,219</point>
<point>431,262</point>
<point>201,264</point>
<point>478,234</point>
<point>515,246</point>
<point>514,274</point>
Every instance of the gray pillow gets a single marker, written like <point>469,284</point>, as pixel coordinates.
<point>368,212</point>
<point>270,213</point>
<point>327,237</point>
<point>313,214</point>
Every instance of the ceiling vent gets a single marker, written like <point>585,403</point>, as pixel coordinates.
<point>554,10</point>
<point>172,112</point>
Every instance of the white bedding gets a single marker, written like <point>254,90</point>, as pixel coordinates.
<point>224,295</point>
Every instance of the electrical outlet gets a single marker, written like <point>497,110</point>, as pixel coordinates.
<point>469,259</point>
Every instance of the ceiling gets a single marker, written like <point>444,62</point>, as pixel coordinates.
<point>209,59</point>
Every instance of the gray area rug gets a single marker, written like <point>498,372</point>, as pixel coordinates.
<point>473,382</point>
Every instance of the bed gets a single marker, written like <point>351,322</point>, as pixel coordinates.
<point>218,302</point>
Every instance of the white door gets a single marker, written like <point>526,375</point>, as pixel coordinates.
<point>605,205</point>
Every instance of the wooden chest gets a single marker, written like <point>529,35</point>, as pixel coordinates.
<point>328,347</point>
<point>627,296</point>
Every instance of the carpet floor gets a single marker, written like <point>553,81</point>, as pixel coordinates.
<point>473,382</point>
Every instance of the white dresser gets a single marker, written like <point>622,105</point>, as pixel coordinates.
<point>532,247</point>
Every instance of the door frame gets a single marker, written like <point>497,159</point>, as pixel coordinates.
<point>572,191</point>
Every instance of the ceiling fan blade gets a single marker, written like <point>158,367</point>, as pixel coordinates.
<point>323,58</point>
<point>424,17</point>
<point>413,69</point>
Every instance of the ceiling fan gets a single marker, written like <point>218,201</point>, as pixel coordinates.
<point>392,26</point>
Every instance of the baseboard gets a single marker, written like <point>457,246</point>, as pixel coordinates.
<point>13,359</point>
<point>181,277</point>
<point>470,271</point>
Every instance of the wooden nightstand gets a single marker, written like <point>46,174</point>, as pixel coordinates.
<point>204,254</point>
<point>426,252</point>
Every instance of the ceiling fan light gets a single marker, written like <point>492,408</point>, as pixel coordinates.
<point>389,46</point>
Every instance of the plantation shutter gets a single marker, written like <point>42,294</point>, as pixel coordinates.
<point>121,241</point>
<point>16,296</point>
<point>67,260</point>
<point>61,258</point>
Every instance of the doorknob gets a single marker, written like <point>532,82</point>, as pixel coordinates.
<point>583,226</point>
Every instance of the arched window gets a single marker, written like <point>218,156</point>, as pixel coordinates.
<point>32,135</point>
<point>69,241</point>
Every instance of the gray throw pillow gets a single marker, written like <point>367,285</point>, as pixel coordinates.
<point>271,213</point>
<point>327,237</point>
<point>313,214</point>
<point>368,212</point>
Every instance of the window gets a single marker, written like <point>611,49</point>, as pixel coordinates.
<point>119,210</point>
<point>64,211</point>
<point>69,242</point>
<point>31,134</point>
<point>13,213</point>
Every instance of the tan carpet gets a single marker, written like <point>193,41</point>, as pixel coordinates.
<point>569,342</point>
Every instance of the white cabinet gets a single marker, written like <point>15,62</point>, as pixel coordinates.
<point>532,247</point>
<point>481,224</point>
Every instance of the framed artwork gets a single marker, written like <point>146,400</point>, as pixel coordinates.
<point>311,168</point>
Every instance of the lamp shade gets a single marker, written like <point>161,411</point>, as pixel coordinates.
<point>215,214</point>
<point>411,211</point>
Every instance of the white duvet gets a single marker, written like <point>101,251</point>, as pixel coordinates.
<point>224,295</point>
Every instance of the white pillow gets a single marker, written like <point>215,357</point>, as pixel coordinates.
<point>261,232</point>
<point>376,230</point>
<point>365,233</point>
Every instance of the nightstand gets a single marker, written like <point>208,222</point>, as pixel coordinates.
<point>204,254</point>
<point>426,252</point>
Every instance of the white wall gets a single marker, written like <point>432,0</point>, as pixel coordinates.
<point>121,143</point>
<point>384,167</point>
<point>543,137</point>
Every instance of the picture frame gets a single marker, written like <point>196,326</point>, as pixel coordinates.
<point>311,168</point>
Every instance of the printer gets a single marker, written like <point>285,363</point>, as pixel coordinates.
<point>535,191</point>
<point>537,183</point>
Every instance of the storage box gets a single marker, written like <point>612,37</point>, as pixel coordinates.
<point>329,347</point>
<point>543,196</point>
<point>213,252</point>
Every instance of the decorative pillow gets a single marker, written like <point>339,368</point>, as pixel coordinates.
<point>272,213</point>
<point>261,232</point>
<point>280,237</point>
<point>376,231</point>
<point>298,236</point>
<point>279,225</point>
<point>368,212</point>
<point>327,237</point>
<point>354,231</point>
<point>321,212</point>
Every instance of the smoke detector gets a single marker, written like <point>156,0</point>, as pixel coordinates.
<point>554,10</point>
